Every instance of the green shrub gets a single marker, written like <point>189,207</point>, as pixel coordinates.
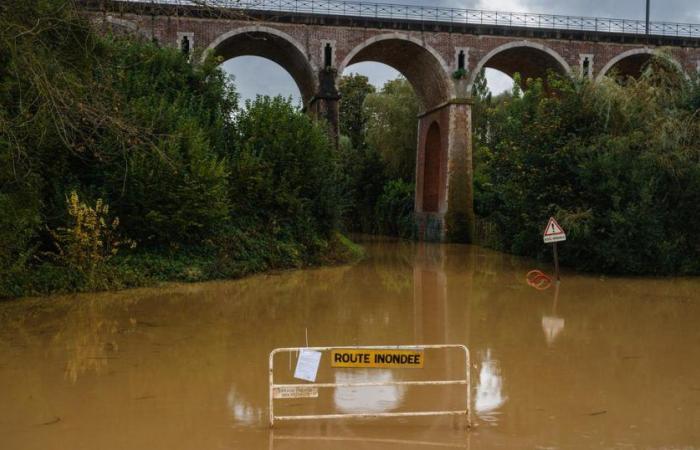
<point>284,173</point>
<point>206,191</point>
<point>394,213</point>
<point>619,166</point>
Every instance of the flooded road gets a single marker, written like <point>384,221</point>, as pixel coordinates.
<point>610,363</point>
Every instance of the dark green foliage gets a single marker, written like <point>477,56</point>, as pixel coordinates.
<point>365,179</point>
<point>481,95</point>
<point>353,90</point>
<point>172,189</point>
<point>392,128</point>
<point>204,190</point>
<point>283,172</point>
<point>378,157</point>
<point>619,166</point>
<point>394,210</point>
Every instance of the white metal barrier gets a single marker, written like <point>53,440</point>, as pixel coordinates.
<point>466,381</point>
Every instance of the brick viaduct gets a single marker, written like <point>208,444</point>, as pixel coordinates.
<point>316,48</point>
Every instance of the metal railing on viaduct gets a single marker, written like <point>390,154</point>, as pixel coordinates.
<point>443,15</point>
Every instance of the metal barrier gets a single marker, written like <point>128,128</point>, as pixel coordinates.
<point>438,14</point>
<point>464,382</point>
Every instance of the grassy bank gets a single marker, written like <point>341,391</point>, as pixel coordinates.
<point>149,268</point>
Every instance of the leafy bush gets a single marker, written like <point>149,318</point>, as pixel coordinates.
<point>91,240</point>
<point>394,211</point>
<point>205,190</point>
<point>284,172</point>
<point>618,165</point>
<point>378,156</point>
<point>392,129</point>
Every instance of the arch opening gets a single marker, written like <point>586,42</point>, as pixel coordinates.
<point>529,60</point>
<point>272,45</point>
<point>498,82</point>
<point>431,169</point>
<point>632,63</point>
<point>378,74</point>
<point>418,63</point>
<point>629,67</point>
<point>255,76</point>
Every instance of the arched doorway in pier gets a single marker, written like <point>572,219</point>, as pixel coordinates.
<point>431,169</point>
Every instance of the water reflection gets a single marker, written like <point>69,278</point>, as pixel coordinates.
<point>489,391</point>
<point>368,441</point>
<point>188,363</point>
<point>551,324</point>
<point>373,399</point>
<point>429,295</point>
<point>243,412</point>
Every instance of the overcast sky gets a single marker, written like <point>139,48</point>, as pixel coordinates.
<point>259,76</point>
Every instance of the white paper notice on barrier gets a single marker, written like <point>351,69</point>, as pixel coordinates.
<point>307,365</point>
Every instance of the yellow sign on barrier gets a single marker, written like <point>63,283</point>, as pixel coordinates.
<point>377,359</point>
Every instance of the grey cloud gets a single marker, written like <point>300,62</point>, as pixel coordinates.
<point>661,10</point>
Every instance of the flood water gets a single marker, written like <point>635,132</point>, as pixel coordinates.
<point>608,363</point>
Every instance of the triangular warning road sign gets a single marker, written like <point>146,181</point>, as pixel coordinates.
<point>553,232</point>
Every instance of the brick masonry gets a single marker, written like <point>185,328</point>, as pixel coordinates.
<point>426,58</point>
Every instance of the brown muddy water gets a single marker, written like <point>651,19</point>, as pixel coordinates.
<point>613,363</point>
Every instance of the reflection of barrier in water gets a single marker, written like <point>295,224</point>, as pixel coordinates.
<point>489,391</point>
<point>336,441</point>
<point>275,389</point>
<point>350,399</point>
<point>553,325</point>
<point>242,411</point>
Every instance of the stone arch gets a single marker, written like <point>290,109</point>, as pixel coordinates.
<point>530,59</point>
<point>431,169</point>
<point>631,62</point>
<point>421,64</point>
<point>272,44</point>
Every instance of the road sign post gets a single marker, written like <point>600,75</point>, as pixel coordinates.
<point>554,233</point>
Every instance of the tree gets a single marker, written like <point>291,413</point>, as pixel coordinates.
<point>481,94</point>
<point>286,181</point>
<point>392,128</point>
<point>354,89</point>
<point>618,165</point>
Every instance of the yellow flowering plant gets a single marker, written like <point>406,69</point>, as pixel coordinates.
<point>91,239</point>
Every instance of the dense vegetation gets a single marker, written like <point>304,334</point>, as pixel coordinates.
<point>378,150</point>
<point>122,163</point>
<point>617,164</point>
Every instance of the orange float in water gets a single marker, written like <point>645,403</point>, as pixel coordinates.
<point>538,280</point>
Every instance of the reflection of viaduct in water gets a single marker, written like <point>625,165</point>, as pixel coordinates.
<point>441,312</point>
<point>430,306</point>
<point>441,309</point>
<point>426,46</point>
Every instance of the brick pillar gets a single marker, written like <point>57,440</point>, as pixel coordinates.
<point>444,170</point>
<point>460,218</point>
<point>324,105</point>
